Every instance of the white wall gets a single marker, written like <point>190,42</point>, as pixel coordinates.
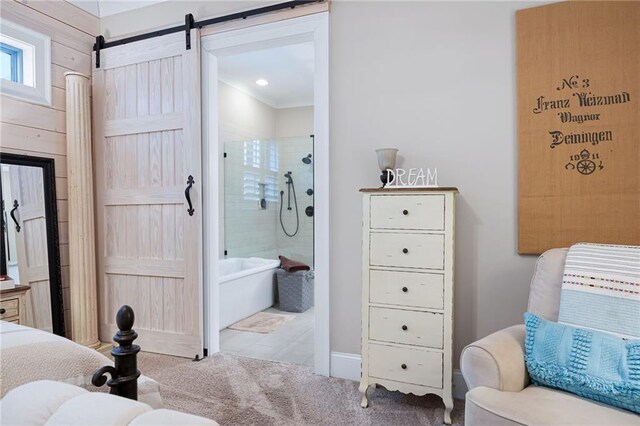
<point>243,117</point>
<point>294,122</point>
<point>436,80</point>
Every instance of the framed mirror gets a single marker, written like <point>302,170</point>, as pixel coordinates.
<point>29,250</point>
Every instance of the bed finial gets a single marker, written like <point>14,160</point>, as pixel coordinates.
<point>124,374</point>
<point>125,318</point>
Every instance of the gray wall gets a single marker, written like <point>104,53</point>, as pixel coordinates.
<point>437,81</point>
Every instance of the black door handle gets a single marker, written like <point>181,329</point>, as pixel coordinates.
<point>187,192</point>
<point>404,366</point>
<point>404,327</point>
<point>13,214</point>
<point>2,311</point>
<point>405,251</point>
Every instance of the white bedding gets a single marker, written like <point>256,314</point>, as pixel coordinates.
<point>28,354</point>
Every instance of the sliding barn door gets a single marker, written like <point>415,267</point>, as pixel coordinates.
<point>27,190</point>
<point>146,99</point>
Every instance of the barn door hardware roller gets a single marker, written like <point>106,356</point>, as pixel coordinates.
<point>188,24</point>
<point>99,45</point>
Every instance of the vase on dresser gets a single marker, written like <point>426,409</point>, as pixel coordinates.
<point>407,291</point>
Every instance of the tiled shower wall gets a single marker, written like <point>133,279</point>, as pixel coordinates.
<point>253,231</point>
<point>271,142</point>
<point>300,246</point>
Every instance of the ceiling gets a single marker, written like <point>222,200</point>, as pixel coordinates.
<point>288,69</point>
<point>102,8</point>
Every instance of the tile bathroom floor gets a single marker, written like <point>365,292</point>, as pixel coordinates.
<point>291,343</point>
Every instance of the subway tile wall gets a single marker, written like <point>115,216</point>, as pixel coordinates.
<point>251,231</point>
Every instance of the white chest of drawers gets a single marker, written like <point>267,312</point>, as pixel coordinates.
<point>407,292</point>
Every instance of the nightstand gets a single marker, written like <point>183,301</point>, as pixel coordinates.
<point>13,307</point>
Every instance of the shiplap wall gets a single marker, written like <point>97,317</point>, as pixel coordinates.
<point>38,130</point>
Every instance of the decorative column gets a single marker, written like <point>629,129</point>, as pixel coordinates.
<point>82,248</point>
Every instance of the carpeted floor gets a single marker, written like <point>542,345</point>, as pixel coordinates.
<point>234,390</point>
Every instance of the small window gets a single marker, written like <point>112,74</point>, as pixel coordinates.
<point>252,153</point>
<point>11,62</point>
<point>272,156</point>
<point>25,63</point>
<point>271,188</point>
<point>250,186</point>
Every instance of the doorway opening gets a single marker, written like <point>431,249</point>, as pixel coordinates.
<point>265,99</point>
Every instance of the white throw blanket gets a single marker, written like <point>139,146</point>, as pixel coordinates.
<point>601,289</point>
<point>28,354</point>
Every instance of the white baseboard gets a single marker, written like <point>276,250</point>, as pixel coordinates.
<point>459,385</point>
<point>347,366</point>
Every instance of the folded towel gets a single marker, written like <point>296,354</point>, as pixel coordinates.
<point>290,265</point>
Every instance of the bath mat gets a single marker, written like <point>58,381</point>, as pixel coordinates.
<point>262,322</point>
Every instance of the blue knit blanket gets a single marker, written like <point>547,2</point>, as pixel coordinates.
<point>590,364</point>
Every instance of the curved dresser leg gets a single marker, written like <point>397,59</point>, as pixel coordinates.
<point>364,385</point>
<point>448,408</point>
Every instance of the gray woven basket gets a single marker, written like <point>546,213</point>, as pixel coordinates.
<point>295,290</point>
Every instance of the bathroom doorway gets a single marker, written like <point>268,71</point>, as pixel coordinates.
<point>266,215</point>
<point>265,102</point>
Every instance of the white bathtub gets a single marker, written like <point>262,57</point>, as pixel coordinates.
<point>247,286</point>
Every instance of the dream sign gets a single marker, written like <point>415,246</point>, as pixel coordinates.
<point>415,178</point>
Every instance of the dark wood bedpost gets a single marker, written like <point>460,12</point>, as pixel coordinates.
<point>124,374</point>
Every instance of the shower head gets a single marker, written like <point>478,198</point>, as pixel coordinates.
<point>288,176</point>
<point>307,159</point>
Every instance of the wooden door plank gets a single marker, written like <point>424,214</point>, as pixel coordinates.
<point>58,98</point>
<point>67,13</point>
<point>150,123</point>
<point>30,115</point>
<point>133,196</point>
<point>145,51</point>
<point>17,136</point>
<point>192,155</point>
<point>143,106</point>
<point>70,58</point>
<point>27,186</point>
<point>60,32</point>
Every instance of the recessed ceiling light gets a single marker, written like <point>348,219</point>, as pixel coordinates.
<point>262,82</point>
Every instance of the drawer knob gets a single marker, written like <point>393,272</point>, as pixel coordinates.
<point>404,366</point>
<point>405,250</point>
<point>404,327</point>
<point>405,212</point>
<point>404,289</point>
<point>2,311</point>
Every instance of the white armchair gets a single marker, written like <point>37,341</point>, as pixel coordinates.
<point>494,370</point>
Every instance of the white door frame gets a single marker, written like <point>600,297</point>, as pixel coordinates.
<point>314,28</point>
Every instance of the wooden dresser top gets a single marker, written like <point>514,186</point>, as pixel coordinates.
<point>411,189</point>
<point>17,289</point>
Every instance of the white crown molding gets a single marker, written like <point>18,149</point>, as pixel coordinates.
<point>102,8</point>
<point>90,6</point>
